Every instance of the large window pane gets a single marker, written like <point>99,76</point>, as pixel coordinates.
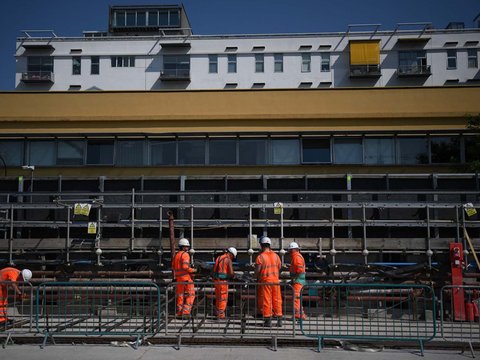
<point>153,18</point>
<point>130,153</point>
<point>253,152</point>
<point>191,152</point>
<point>223,152</point>
<point>141,18</point>
<point>163,152</point>
<point>42,153</point>
<point>130,18</point>
<point>120,17</point>
<point>379,151</point>
<point>174,18</point>
<point>445,149</point>
<point>285,151</point>
<point>100,152</point>
<point>348,151</point>
<point>11,152</point>
<point>472,148</point>
<point>316,150</point>
<point>70,152</point>
<point>412,150</point>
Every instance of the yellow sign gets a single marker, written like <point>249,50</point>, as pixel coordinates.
<point>92,227</point>
<point>278,208</point>
<point>82,209</point>
<point>469,209</point>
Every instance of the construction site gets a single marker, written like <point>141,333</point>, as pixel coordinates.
<point>356,154</point>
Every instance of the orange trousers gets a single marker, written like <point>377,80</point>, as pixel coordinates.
<point>3,303</point>
<point>221,297</point>
<point>297,288</point>
<point>185,294</point>
<point>270,300</point>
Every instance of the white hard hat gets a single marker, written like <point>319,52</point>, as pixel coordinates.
<point>232,251</point>
<point>293,245</point>
<point>183,242</point>
<point>26,274</point>
<point>265,240</point>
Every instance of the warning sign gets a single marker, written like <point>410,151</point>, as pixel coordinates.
<point>278,208</point>
<point>92,227</point>
<point>82,209</point>
<point>469,209</point>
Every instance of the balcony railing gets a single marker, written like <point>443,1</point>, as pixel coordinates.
<point>365,71</point>
<point>175,74</point>
<point>414,70</point>
<point>37,77</point>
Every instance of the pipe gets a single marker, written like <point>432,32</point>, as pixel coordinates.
<point>90,274</point>
<point>171,228</point>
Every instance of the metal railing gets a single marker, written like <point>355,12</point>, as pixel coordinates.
<point>173,74</point>
<point>372,70</point>
<point>16,310</point>
<point>406,70</point>
<point>38,76</point>
<point>460,322</point>
<point>103,308</point>
<point>369,312</point>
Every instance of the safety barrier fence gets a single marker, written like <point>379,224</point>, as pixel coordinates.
<point>251,310</point>
<point>369,312</point>
<point>459,315</point>
<point>104,308</point>
<point>16,308</point>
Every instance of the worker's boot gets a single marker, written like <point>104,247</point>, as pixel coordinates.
<point>279,322</point>
<point>268,322</point>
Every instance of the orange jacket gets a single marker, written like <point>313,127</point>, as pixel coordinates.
<point>297,268</point>
<point>223,267</point>
<point>9,274</point>
<point>269,266</point>
<point>181,266</point>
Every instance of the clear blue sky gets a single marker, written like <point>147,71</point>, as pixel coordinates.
<point>70,18</point>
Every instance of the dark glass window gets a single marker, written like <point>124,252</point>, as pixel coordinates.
<point>223,152</point>
<point>232,63</point>
<point>141,18</point>
<point>100,152</point>
<point>95,65</point>
<point>259,63</point>
<point>278,60</point>
<point>348,151</point>
<point>70,152</point>
<point>176,65</point>
<point>153,18</point>
<point>191,152</point>
<point>253,152</point>
<point>316,150</point>
<point>120,18</point>
<point>163,18</point>
<point>163,152</point>
<point>42,153</point>
<point>130,153</point>
<point>174,18</point>
<point>412,150</point>
<point>451,59</point>
<point>212,64</point>
<point>76,65</point>
<point>379,151</point>
<point>472,148</point>
<point>285,151</point>
<point>325,65</point>
<point>445,149</point>
<point>130,18</point>
<point>11,152</point>
<point>39,65</point>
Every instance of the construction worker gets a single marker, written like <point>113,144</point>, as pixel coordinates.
<point>185,290</point>
<point>7,275</point>
<point>223,270</point>
<point>267,271</point>
<point>297,273</point>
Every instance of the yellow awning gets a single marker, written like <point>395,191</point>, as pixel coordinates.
<point>365,52</point>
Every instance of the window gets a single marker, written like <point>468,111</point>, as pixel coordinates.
<point>100,152</point>
<point>325,66</point>
<point>174,18</point>
<point>412,62</point>
<point>76,65</point>
<point>306,62</point>
<point>285,151</point>
<point>445,149</point>
<point>120,19</point>
<point>223,152</point>
<point>163,152</point>
<point>11,152</point>
<point>259,63</point>
<point>123,61</point>
<point>316,151</point>
<point>472,58</point>
<point>42,153</point>
<point>70,152</point>
<point>348,151</point>
<point>176,65</point>
<point>152,18</point>
<point>141,18</point>
<point>379,151</point>
<point>212,64</point>
<point>39,66</point>
<point>252,151</point>
<point>130,153</point>
<point>472,148</point>
<point>278,62</point>
<point>131,18</point>
<point>191,152</point>
<point>95,65</point>
<point>412,150</point>
<point>232,63</point>
<point>451,59</point>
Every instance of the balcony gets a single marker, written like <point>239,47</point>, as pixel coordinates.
<point>175,75</point>
<point>365,71</point>
<point>38,77</point>
<point>413,70</point>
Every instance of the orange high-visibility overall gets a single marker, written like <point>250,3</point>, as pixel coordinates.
<point>297,272</point>
<point>221,271</point>
<point>6,274</point>
<point>185,293</point>
<point>269,296</point>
